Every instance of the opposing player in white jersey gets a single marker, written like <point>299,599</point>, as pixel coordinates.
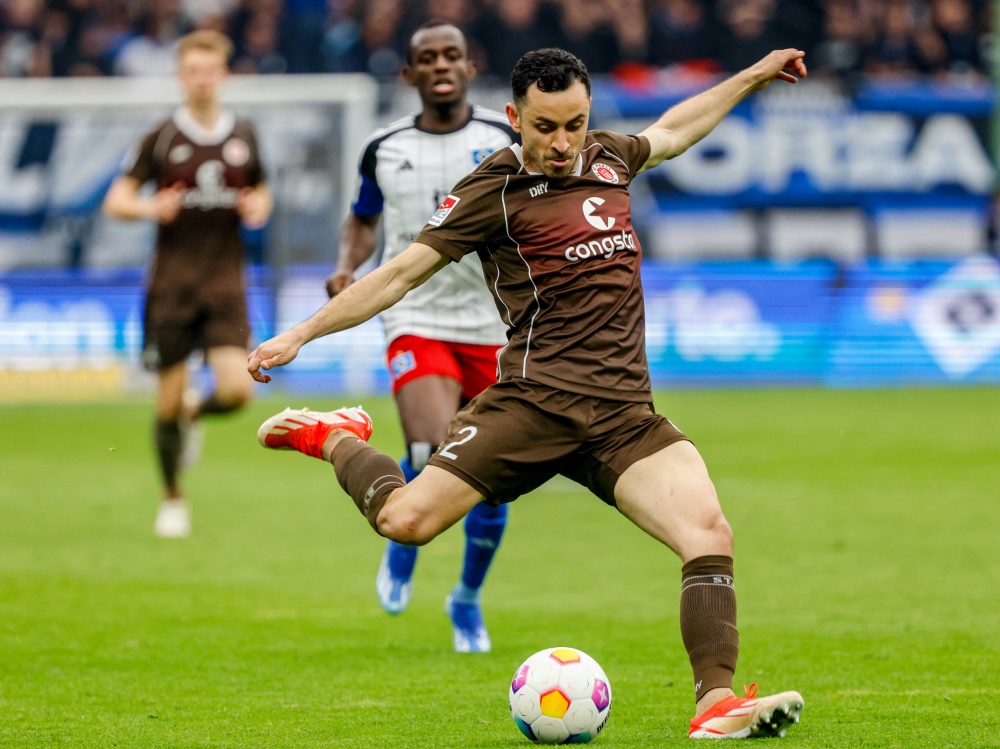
<point>443,338</point>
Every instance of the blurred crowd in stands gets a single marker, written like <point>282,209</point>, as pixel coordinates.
<point>843,38</point>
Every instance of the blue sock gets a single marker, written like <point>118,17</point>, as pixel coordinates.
<point>402,559</point>
<point>484,527</point>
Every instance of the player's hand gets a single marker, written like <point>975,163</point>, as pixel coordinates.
<point>273,353</point>
<point>254,207</point>
<point>337,281</point>
<point>167,203</point>
<point>783,65</point>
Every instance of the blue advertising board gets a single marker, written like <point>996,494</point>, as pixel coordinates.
<point>67,317</point>
<point>726,324</point>
<point>928,322</point>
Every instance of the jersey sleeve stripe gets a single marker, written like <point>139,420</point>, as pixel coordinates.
<point>369,150</point>
<point>162,143</point>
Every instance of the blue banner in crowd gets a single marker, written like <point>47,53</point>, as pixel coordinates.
<point>920,143</point>
<point>721,324</point>
<point>88,320</point>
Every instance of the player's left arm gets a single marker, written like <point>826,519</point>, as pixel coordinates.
<point>684,124</point>
<point>255,205</point>
<point>361,301</point>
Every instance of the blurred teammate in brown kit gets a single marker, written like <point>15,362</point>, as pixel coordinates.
<point>206,168</point>
<point>550,219</point>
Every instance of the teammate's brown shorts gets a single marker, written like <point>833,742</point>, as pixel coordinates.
<point>518,434</point>
<point>177,322</point>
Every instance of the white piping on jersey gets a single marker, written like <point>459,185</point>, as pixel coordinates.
<point>587,149</point>
<point>198,133</point>
<point>510,319</point>
<point>618,160</point>
<point>538,306</point>
<point>403,123</point>
<point>496,289</point>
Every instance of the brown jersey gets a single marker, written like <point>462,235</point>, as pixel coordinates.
<point>562,262</point>
<point>200,249</point>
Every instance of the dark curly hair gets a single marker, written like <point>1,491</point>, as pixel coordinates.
<point>552,69</point>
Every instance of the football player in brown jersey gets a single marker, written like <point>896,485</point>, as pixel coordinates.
<point>208,179</point>
<point>551,222</point>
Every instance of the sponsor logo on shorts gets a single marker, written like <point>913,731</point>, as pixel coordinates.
<point>402,363</point>
<point>446,207</point>
<point>151,357</point>
<point>605,173</point>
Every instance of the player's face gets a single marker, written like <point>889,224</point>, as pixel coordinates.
<point>441,69</point>
<point>553,127</point>
<point>201,71</point>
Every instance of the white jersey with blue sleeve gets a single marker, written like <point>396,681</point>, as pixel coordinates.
<point>405,174</point>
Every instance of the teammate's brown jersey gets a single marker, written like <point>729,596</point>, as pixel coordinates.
<point>201,248</point>
<point>562,262</point>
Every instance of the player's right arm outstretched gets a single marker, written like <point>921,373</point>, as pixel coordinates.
<point>361,301</point>
<point>684,124</point>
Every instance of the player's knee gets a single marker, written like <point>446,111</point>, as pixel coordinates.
<point>721,530</point>
<point>405,526</point>
<point>707,525</point>
<point>168,411</point>
<point>233,395</point>
<point>711,518</point>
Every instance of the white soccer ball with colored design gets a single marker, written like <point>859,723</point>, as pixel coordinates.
<point>560,696</point>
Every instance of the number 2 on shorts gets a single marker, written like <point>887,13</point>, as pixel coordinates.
<point>469,433</point>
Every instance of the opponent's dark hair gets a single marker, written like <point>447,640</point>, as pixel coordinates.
<point>551,69</point>
<point>433,24</point>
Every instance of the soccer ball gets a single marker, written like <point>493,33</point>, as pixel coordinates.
<point>560,696</point>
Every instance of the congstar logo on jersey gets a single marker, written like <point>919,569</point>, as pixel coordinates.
<point>605,247</point>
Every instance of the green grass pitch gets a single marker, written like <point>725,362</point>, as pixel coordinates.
<point>868,573</point>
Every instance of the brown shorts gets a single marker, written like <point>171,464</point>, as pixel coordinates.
<point>177,322</point>
<point>518,434</point>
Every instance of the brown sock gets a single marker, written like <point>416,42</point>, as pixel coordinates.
<point>708,621</point>
<point>167,437</point>
<point>367,475</point>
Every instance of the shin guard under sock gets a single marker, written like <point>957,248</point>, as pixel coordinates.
<point>367,475</point>
<point>708,621</point>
